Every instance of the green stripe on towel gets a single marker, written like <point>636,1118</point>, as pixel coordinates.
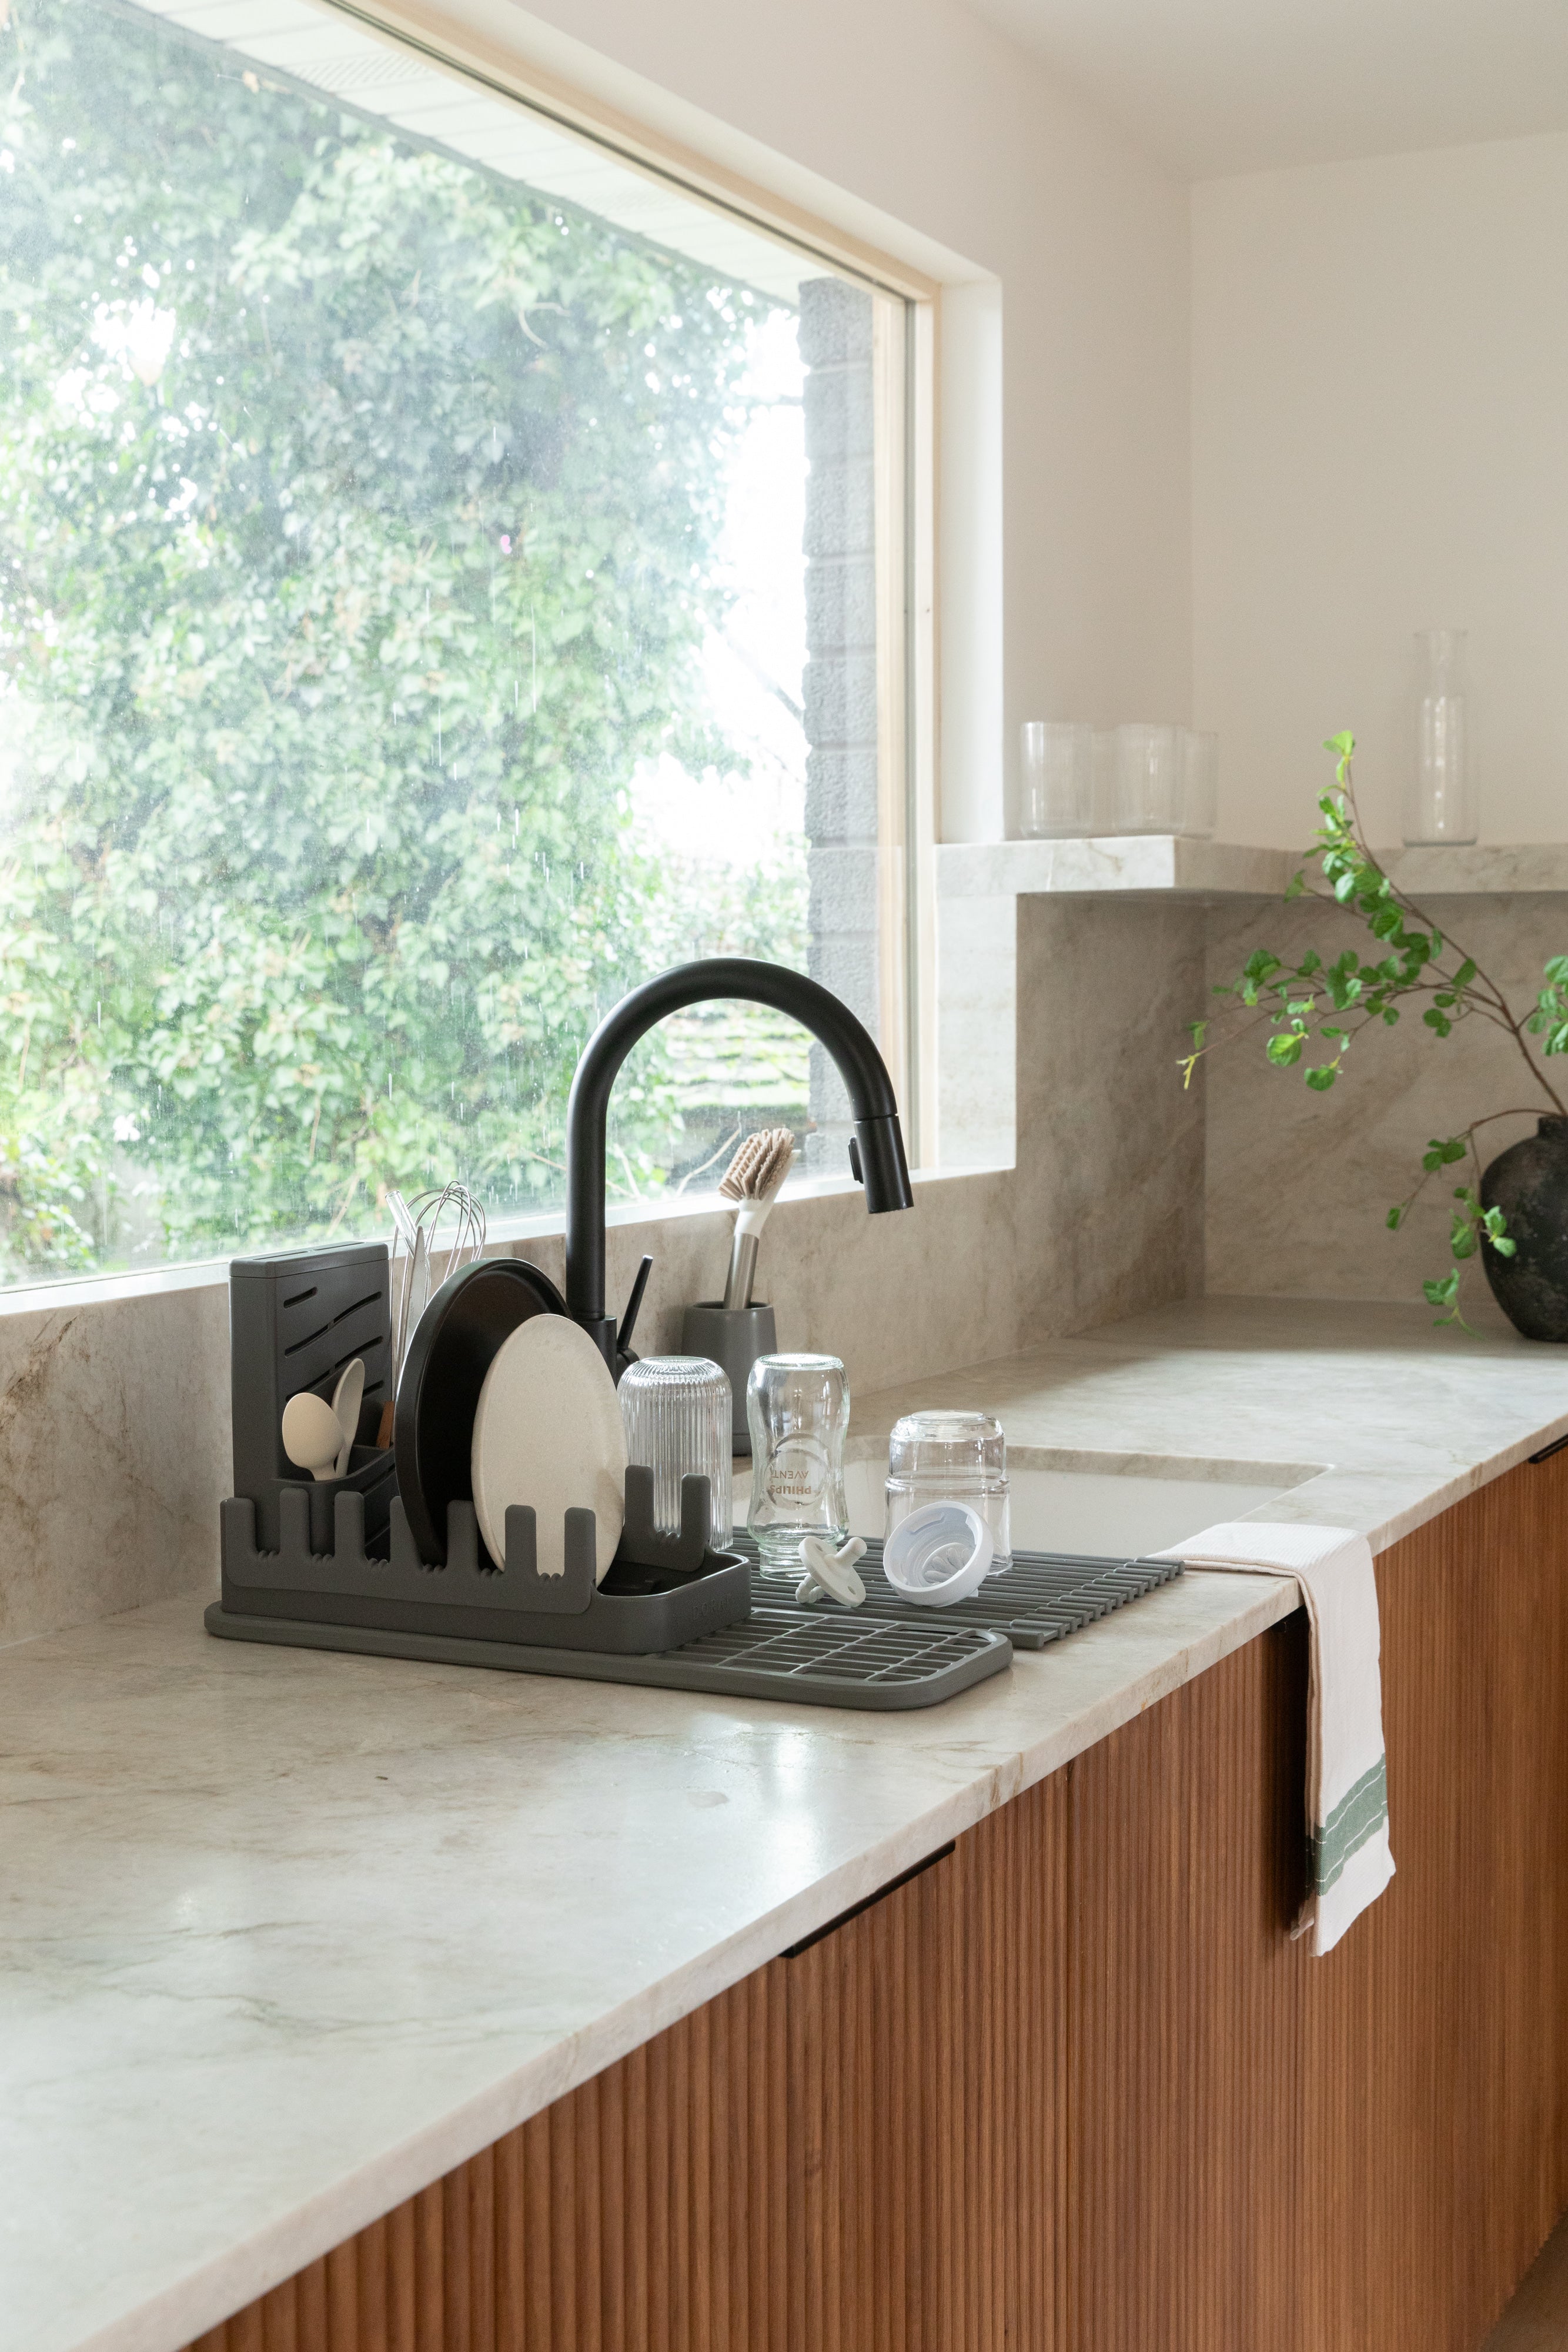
<point>1360,1813</point>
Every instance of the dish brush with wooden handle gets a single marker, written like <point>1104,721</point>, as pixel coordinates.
<point>754,1178</point>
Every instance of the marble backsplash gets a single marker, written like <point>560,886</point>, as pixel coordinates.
<point>114,1422</point>
<point>114,1415</point>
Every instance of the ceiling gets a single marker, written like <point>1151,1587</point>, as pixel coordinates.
<point>1214,86</point>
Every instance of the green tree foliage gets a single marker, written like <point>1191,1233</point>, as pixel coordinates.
<point>358,515</point>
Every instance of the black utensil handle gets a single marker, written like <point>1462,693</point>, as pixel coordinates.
<point>633,1307</point>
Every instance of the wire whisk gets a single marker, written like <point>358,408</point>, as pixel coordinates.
<point>434,1236</point>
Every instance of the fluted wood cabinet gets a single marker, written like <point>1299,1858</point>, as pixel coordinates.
<point>1071,2087</point>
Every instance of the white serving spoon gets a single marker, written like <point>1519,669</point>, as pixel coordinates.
<point>347,1399</point>
<point>313,1434</point>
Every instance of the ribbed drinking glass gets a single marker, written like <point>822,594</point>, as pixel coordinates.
<point>677,1412</point>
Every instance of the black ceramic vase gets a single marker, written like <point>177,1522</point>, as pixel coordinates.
<point>1529,1182</point>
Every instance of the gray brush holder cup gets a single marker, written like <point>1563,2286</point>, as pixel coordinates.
<point>733,1338</point>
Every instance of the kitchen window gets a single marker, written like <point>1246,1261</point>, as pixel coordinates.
<point>448,571</point>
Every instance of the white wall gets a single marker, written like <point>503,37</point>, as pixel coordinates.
<point>917,126</point>
<point>1380,443</point>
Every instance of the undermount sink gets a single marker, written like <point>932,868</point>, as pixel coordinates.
<point>1110,1503</point>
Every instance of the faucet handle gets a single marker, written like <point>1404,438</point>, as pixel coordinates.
<point>856,1170</point>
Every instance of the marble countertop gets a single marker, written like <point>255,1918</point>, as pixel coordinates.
<point>284,1934</point>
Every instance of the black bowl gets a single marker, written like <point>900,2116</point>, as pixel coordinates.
<point>455,1342</point>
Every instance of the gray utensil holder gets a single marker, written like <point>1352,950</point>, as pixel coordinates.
<point>733,1338</point>
<point>295,1322</point>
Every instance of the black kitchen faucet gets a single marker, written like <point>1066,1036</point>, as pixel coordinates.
<point>876,1151</point>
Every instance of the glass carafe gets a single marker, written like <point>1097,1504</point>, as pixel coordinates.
<point>1440,798</point>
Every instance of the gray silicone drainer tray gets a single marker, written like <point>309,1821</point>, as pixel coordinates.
<point>777,1653</point>
<point>670,1615</point>
<point>1044,1595</point>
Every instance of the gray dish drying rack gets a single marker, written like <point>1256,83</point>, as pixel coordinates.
<point>669,1612</point>
<point>334,1565</point>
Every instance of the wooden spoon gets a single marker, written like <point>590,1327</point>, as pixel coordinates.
<point>313,1434</point>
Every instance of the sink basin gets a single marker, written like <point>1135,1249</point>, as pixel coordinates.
<point>1113,1503</point>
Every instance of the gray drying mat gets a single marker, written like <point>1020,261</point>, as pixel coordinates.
<point>1043,1596</point>
<point>781,1652</point>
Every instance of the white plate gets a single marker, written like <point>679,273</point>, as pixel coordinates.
<point>549,1431</point>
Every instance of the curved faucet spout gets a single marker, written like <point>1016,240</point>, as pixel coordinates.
<point>878,1161</point>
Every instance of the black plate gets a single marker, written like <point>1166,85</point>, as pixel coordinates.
<point>455,1342</point>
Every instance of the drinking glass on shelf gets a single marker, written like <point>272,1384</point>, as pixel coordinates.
<point>1148,779</point>
<point>1058,774</point>
<point>1105,800</point>
<point>1440,797</point>
<point>1198,811</point>
<point>798,1410</point>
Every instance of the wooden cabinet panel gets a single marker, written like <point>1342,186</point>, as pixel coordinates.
<point>1072,2088</point>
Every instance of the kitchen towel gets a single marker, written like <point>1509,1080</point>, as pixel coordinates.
<point>1348,1859</point>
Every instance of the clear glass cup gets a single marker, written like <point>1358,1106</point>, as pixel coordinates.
<point>952,1457</point>
<point>1148,779</point>
<point>1057,771</point>
<point>1199,807</point>
<point>1104,819</point>
<point>798,1410</point>
<point>1440,798</point>
<point>678,1414</point>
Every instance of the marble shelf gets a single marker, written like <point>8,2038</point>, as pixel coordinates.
<point>1169,865</point>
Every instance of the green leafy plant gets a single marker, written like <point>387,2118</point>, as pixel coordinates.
<point>1314,1009</point>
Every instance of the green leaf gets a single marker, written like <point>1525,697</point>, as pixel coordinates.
<point>1395,1217</point>
<point>1443,1293</point>
<point>1557,970</point>
<point>1343,744</point>
<point>1465,974</point>
<point>1437,1021</point>
<point>1296,886</point>
<point>1504,1247</point>
<point>1322,1079</point>
<point>1283,1051</point>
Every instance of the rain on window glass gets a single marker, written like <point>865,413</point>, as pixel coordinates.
<point>407,542</point>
